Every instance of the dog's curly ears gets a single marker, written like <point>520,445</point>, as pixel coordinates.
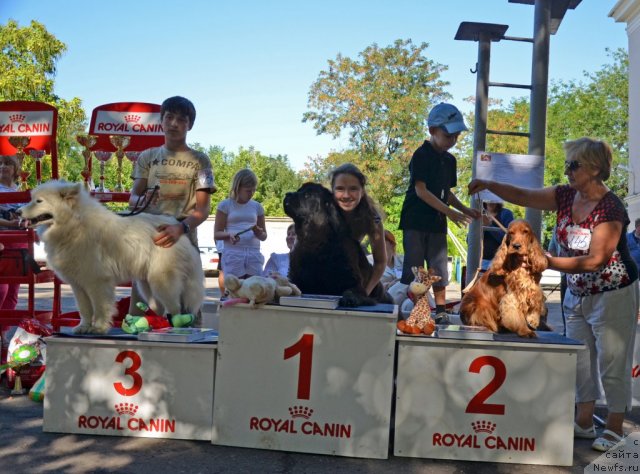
<point>497,264</point>
<point>537,259</point>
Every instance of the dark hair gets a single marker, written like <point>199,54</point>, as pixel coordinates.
<point>364,218</point>
<point>499,205</point>
<point>179,105</point>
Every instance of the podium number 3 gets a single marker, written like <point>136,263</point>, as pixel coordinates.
<point>304,347</point>
<point>477,403</point>
<point>131,371</point>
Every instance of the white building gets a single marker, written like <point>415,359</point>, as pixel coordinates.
<point>628,11</point>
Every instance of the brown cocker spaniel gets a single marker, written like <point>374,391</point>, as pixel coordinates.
<point>508,295</point>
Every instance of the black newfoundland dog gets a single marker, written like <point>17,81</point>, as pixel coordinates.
<point>326,259</point>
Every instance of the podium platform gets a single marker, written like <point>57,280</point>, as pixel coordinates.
<point>120,386</point>
<point>305,380</point>
<point>508,400</point>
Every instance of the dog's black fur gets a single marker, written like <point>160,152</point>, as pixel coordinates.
<point>326,259</point>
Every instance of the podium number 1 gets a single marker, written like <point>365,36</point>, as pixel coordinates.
<point>304,347</point>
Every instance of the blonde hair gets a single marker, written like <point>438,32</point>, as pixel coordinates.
<point>16,164</point>
<point>243,178</point>
<point>594,154</point>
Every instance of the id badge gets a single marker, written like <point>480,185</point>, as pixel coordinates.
<point>578,238</point>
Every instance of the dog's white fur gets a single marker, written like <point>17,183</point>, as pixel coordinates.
<point>93,249</point>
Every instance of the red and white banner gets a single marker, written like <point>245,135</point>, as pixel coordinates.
<point>138,120</point>
<point>36,120</point>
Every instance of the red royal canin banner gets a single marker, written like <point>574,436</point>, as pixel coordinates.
<point>138,120</point>
<point>36,120</point>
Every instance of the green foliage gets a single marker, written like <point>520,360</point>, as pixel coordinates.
<point>27,71</point>
<point>275,176</point>
<point>596,107</point>
<point>382,100</point>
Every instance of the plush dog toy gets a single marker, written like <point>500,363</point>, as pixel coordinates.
<point>285,287</point>
<point>420,320</point>
<point>258,290</point>
<point>135,324</point>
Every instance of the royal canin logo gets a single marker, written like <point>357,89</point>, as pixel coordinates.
<point>132,118</point>
<point>296,426</point>
<point>126,409</point>
<point>300,412</point>
<point>483,437</point>
<point>16,118</point>
<point>129,126</point>
<point>483,426</point>
<point>117,423</point>
<point>635,372</point>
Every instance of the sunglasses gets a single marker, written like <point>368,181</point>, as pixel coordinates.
<point>572,165</point>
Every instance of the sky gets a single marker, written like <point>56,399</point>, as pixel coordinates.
<point>248,65</point>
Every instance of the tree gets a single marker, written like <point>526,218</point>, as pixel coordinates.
<point>27,71</point>
<point>381,100</point>
<point>596,107</point>
<point>275,176</point>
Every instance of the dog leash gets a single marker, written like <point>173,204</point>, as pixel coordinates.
<point>475,277</point>
<point>243,232</point>
<point>135,211</point>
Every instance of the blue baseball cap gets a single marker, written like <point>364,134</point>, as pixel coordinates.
<point>446,116</point>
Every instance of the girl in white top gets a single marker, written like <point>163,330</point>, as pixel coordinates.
<point>279,262</point>
<point>240,223</point>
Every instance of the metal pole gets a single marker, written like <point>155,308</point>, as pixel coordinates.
<point>479,144</point>
<point>539,83</point>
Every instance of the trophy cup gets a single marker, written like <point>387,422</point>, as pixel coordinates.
<point>132,156</point>
<point>103,157</point>
<point>20,143</point>
<point>120,142</point>
<point>87,141</point>
<point>37,155</point>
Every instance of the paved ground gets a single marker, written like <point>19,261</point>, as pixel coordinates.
<point>24,448</point>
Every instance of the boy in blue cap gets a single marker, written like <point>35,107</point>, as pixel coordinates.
<point>428,199</point>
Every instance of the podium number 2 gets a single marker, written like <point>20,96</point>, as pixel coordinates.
<point>131,371</point>
<point>477,403</point>
<point>304,347</point>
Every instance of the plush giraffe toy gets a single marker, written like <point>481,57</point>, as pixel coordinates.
<point>420,320</point>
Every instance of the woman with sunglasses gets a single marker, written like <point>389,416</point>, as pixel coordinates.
<point>602,302</point>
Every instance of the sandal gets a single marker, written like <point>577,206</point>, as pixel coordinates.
<point>584,433</point>
<point>605,444</point>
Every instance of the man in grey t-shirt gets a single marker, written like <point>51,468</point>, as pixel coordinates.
<point>184,178</point>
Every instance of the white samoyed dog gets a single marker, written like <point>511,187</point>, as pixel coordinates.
<point>93,250</point>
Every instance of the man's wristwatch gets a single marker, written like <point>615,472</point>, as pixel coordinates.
<point>185,227</point>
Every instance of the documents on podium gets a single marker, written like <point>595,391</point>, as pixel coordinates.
<point>457,331</point>
<point>180,335</point>
<point>311,301</point>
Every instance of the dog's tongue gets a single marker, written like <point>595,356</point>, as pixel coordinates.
<point>24,223</point>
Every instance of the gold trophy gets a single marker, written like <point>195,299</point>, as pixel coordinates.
<point>87,141</point>
<point>20,143</point>
<point>120,142</point>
